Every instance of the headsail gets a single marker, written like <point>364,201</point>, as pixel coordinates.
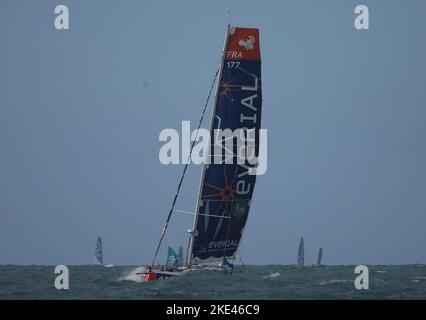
<point>226,189</point>
<point>319,256</point>
<point>301,253</point>
<point>172,259</point>
<point>99,257</point>
<point>227,265</point>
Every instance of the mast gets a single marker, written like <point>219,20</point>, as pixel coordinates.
<point>99,252</point>
<point>187,251</point>
<point>194,225</point>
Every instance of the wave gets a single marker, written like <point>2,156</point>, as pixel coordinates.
<point>272,275</point>
<point>323,283</point>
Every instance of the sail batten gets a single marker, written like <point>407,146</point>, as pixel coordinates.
<point>226,187</point>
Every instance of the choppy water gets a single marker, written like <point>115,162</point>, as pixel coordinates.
<point>252,282</point>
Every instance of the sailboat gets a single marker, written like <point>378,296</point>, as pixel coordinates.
<point>180,256</point>
<point>99,256</point>
<point>226,187</point>
<point>319,256</point>
<point>301,253</point>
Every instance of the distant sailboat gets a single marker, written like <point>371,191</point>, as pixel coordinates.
<point>319,256</point>
<point>99,255</point>
<point>301,253</point>
<point>180,256</point>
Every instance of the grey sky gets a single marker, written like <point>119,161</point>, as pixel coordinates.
<point>81,111</point>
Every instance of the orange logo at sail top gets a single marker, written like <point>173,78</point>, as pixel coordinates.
<point>243,44</point>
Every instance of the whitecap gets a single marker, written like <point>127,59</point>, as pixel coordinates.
<point>272,275</point>
<point>334,282</point>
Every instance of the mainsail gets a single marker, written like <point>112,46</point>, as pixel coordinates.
<point>301,253</point>
<point>98,252</point>
<point>226,189</point>
<point>319,256</point>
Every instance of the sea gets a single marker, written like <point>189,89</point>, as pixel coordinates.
<point>246,282</point>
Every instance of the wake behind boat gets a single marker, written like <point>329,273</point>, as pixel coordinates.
<point>226,187</point>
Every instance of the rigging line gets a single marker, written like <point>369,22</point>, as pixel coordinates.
<point>163,232</point>
<point>184,211</point>
<point>249,73</point>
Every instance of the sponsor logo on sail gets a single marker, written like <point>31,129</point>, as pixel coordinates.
<point>248,43</point>
<point>223,244</point>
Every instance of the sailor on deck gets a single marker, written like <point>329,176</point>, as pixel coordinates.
<point>149,275</point>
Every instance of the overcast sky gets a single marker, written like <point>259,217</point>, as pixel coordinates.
<point>81,111</point>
